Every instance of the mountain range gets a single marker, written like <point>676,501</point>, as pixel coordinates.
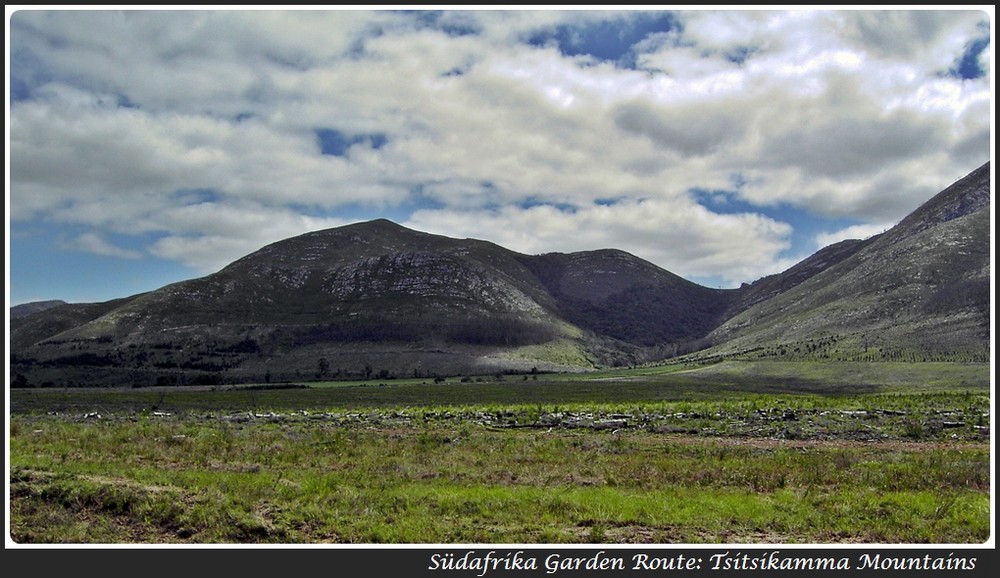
<point>378,300</point>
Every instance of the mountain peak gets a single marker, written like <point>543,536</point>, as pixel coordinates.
<point>26,309</point>
<point>966,196</point>
<point>377,296</point>
<point>381,224</point>
<point>921,290</point>
<point>376,230</point>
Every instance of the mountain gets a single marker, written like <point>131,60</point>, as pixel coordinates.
<point>37,321</point>
<point>615,294</point>
<point>376,299</point>
<point>921,290</point>
<point>26,309</point>
<point>372,299</point>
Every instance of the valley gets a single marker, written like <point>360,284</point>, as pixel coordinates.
<point>375,384</point>
<point>741,452</point>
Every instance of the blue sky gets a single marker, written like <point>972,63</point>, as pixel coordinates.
<point>149,147</point>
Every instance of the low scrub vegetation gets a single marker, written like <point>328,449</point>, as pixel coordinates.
<point>632,457</point>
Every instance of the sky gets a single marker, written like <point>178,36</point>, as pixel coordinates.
<point>146,147</point>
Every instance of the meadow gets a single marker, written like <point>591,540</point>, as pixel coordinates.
<point>748,452</point>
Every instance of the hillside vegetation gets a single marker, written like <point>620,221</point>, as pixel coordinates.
<point>378,300</point>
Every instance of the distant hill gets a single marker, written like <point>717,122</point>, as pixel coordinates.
<point>379,300</point>
<point>26,309</point>
<point>618,295</point>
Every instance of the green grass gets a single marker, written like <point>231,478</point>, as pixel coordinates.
<point>177,480</point>
<point>724,381</point>
<point>220,483</point>
<point>723,454</point>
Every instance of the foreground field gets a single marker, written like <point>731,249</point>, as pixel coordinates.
<point>632,457</point>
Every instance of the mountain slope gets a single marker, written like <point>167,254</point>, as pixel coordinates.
<point>379,300</point>
<point>774,285</point>
<point>619,295</point>
<point>364,274</point>
<point>375,298</point>
<point>918,291</point>
<point>43,322</point>
<point>26,309</point>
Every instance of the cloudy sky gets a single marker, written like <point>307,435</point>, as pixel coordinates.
<point>148,147</point>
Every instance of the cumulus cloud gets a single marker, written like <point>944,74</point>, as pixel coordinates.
<point>855,232</point>
<point>204,129</point>
<point>208,236</point>
<point>733,246</point>
<point>934,36</point>
<point>94,243</point>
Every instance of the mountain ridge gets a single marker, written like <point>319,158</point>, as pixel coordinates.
<point>932,267</point>
<point>377,298</point>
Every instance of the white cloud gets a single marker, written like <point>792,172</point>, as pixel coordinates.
<point>685,239</point>
<point>94,243</point>
<point>209,236</point>
<point>855,232</point>
<point>932,36</point>
<point>122,118</point>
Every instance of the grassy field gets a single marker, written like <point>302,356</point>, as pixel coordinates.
<point>763,453</point>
